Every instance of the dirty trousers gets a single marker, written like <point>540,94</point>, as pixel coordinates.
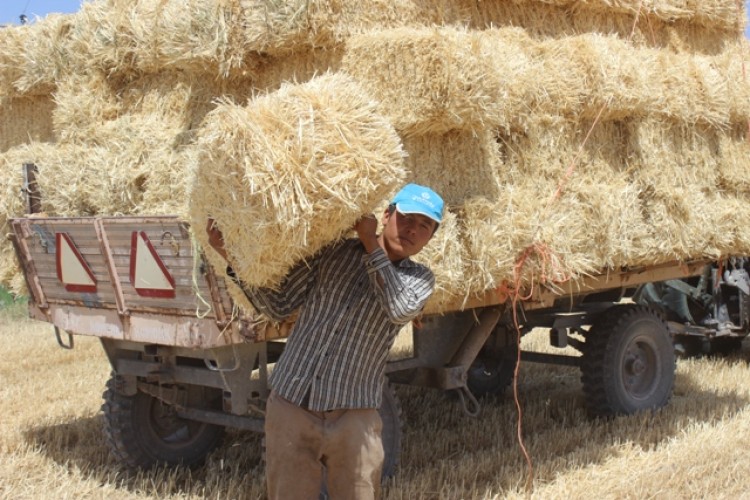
<point>300,442</point>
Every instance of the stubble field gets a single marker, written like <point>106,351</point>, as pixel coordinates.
<point>51,444</point>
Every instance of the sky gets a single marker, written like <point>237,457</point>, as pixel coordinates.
<point>11,9</point>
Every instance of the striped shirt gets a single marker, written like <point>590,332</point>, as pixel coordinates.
<point>336,354</point>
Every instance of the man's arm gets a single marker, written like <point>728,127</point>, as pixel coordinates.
<point>278,303</point>
<point>402,296</point>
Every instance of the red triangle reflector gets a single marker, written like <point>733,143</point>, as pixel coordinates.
<point>148,274</point>
<point>72,269</point>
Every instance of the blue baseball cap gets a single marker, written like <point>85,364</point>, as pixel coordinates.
<point>416,199</point>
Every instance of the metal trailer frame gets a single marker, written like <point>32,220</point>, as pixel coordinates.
<point>163,347</point>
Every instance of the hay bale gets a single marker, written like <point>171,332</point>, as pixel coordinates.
<point>680,175</point>
<point>591,72</point>
<point>165,182</point>
<point>291,172</point>
<point>46,54</point>
<point>77,180</point>
<point>26,119</point>
<point>12,204</point>
<point>717,14</point>
<point>733,164</point>
<point>279,28</point>
<point>458,165</point>
<point>11,58</point>
<point>299,66</point>
<point>93,108</point>
<point>435,80</point>
<point>122,36</point>
<point>33,56</point>
<point>696,27</point>
<point>447,257</point>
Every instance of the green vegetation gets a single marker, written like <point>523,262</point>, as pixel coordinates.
<point>11,305</point>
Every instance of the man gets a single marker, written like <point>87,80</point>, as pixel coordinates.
<point>354,296</point>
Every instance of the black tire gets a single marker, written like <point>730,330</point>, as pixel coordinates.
<point>628,362</point>
<point>390,414</point>
<point>142,431</point>
<point>492,372</point>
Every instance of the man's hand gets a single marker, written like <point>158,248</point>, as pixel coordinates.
<point>215,238</point>
<point>366,228</point>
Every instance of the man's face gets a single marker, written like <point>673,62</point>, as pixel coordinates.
<point>404,235</point>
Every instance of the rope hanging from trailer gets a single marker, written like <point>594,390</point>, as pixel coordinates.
<point>551,271</point>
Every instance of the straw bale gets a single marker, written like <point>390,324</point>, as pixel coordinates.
<point>152,110</point>
<point>458,165</point>
<point>33,56</point>
<point>11,58</point>
<point>46,54</point>
<point>165,182</point>
<point>299,66</point>
<point>733,62</point>
<point>718,14</point>
<point>12,204</point>
<point>580,233</point>
<point>438,79</point>
<point>76,180</point>
<point>733,166</point>
<point>674,155</point>
<point>280,27</point>
<point>699,30</point>
<point>446,256</point>
<point>637,193</point>
<point>680,174</point>
<point>26,119</point>
<point>591,72</point>
<point>120,36</point>
<point>291,172</point>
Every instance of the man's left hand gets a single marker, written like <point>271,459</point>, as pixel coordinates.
<point>366,228</point>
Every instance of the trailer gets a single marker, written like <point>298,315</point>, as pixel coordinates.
<point>188,363</point>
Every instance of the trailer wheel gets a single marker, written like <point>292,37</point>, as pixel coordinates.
<point>142,431</point>
<point>390,414</point>
<point>628,362</point>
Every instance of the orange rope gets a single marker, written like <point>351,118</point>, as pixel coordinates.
<point>547,261</point>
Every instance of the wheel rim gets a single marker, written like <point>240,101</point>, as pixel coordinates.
<point>168,428</point>
<point>640,367</point>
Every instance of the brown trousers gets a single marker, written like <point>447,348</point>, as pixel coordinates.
<point>300,443</point>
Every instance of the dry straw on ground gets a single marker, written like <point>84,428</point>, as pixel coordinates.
<point>291,172</point>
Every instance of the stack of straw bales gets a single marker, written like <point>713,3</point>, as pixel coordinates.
<point>583,135</point>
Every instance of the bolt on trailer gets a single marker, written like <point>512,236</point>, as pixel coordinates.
<point>186,363</point>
